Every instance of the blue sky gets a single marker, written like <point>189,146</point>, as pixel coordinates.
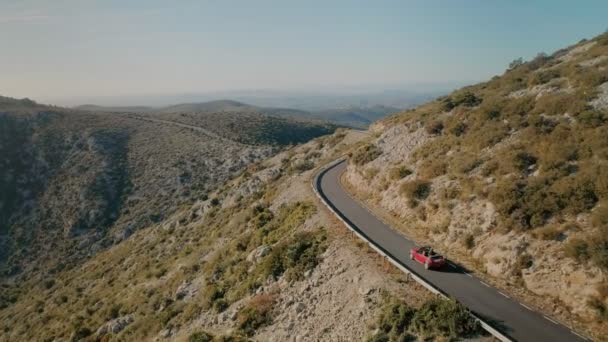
<point>69,48</point>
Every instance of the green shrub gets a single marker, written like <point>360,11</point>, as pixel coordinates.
<point>463,163</point>
<point>493,114</point>
<point>523,161</point>
<point>467,99</point>
<point>436,318</point>
<point>432,168</point>
<point>261,216</point>
<point>416,189</point>
<point>600,308</point>
<point>561,103</point>
<point>394,321</point>
<point>469,241</point>
<point>577,249</point>
<point>294,257</point>
<point>366,154</point>
<point>81,333</point>
<point>214,297</point>
<point>444,318</point>
<point>543,76</point>
<point>399,172</point>
<point>447,104</point>
<point>487,135</point>
<point>524,261</point>
<point>49,283</point>
<point>516,63</point>
<point>434,127</point>
<point>458,129</point>
<point>592,118</point>
<point>603,39</point>
<point>256,314</point>
<point>302,166</point>
<point>599,248</point>
<point>200,336</point>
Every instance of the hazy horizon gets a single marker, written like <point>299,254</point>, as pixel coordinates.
<point>305,99</point>
<point>116,50</point>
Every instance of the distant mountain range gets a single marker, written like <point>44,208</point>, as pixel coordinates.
<point>357,117</point>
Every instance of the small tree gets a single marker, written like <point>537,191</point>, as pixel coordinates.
<point>515,63</point>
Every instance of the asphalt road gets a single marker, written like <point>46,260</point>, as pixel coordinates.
<point>505,314</point>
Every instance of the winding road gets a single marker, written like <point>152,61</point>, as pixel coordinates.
<point>512,319</point>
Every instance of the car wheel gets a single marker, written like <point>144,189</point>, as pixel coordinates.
<point>427,266</point>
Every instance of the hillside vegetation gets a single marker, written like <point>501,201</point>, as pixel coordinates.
<point>257,259</point>
<point>73,183</point>
<point>509,176</point>
<point>252,127</point>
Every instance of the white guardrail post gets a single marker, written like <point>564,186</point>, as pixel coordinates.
<point>393,261</point>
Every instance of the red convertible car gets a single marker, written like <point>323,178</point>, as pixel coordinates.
<point>428,257</point>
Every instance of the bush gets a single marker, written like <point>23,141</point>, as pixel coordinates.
<point>463,163</point>
<point>295,257</point>
<point>467,99</point>
<point>366,154</point>
<point>469,241</point>
<point>516,63</point>
<point>434,127</point>
<point>458,129</point>
<point>561,103</point>
<point>200,336</point>
<point>543,76</point>
<point>399,172</point>
<point>261,216</point>
<point>577,249</point>
<point>592,118</point>
<point>81,333</point>
<point>523,161</point>
<point>49,283</point>
<point>432,168</point>
<point>444,318</point>
<point>257,313</point>
<point>599,248</point>
<point>524,261</point>
<point>393,322</point>
<point>214,297</point>
<point>302,166</point>
<point>437,317</point>
<point>600,308</point>
<point>447,104</point>
<point>416,189</point>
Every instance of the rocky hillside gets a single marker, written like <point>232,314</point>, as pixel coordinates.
<point>252,127</point>
<point>509,177</point>
<point>73,183</point>
<point>259,259</point>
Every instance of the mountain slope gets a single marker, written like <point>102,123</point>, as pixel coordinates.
<point>508,177</point>
<point>257,260</point>
<point>73,183</point>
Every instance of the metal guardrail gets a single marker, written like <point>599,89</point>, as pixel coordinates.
<point>390,258</point>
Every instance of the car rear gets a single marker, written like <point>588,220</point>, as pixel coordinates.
<point>438,261</point>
